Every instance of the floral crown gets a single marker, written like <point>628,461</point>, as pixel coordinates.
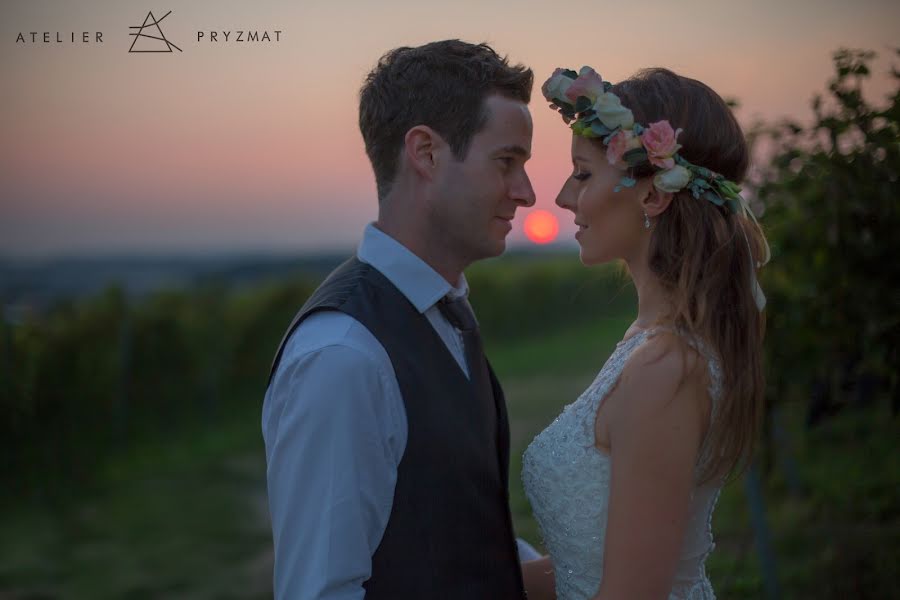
<point>592,111</point>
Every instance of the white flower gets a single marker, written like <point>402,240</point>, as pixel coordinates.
<point>672,180</point>
<point>611,112</point>
<point>556,86</point>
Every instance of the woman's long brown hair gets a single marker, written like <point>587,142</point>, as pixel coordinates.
<point>699,252</point>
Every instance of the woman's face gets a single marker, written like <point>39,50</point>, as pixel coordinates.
<point>610,223</point>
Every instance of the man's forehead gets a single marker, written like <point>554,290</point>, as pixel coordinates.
<point>502,107</point>
<point>508,125</point>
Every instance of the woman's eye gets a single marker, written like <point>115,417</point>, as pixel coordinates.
<point>581,176</point>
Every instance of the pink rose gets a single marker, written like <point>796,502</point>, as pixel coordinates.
<point>660,142</point>
<point>621,143</point>
<point>588,84</point>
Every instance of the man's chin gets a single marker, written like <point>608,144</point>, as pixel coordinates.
<point>498,247</point>
<point>490,249</point>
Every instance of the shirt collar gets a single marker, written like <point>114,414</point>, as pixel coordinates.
<point>413,277</point>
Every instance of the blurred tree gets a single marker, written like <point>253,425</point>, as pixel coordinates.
<point>831,211</point>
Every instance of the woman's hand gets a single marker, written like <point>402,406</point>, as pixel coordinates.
<point>540,582</point>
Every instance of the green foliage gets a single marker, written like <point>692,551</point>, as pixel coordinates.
<point>90,380</point>
<point>831,211</point>
<point>520,297</point>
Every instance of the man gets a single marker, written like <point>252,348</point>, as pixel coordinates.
<point>386,434</point>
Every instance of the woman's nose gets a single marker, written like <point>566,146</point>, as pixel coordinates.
<point>565,198</point>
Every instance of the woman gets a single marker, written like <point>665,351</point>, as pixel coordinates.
<point>624,482</point>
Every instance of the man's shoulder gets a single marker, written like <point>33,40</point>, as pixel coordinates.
<point>333,333</point>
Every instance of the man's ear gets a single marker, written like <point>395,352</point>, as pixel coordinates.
<point>655,201</point>
<point>423,147</point>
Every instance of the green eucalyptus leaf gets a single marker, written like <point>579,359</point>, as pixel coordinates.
<point>713,197</point>
<point>599,128</point>
<point>582,104</point>
<point>564,105</point>
<point>635,157</point>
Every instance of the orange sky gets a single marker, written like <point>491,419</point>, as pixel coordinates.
<point>254,146</point>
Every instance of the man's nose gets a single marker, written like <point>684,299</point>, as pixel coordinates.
<point>523,193</point>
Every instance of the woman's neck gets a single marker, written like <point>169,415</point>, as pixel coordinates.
<point>654,304</point>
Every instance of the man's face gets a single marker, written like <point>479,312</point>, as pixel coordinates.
<point>476,198</point>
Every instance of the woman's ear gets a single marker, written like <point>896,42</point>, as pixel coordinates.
<point>655,201</point>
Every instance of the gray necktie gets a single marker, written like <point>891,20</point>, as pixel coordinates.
<point>458,312</point>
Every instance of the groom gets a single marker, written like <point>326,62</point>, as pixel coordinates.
<point>387,441</point>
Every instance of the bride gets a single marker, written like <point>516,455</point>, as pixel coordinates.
<point>624,482</point>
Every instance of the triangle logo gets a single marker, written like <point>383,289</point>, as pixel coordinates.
<point>149,36</point>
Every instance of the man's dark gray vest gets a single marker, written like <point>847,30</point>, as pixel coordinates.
<point>450,532</point>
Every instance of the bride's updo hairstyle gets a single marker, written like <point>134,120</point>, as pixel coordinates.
<point>699,251</point>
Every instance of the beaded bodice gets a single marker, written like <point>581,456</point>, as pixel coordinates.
<point>567,482</point>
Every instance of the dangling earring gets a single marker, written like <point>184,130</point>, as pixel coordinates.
<point>646,221</point>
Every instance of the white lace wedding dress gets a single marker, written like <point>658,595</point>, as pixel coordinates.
<point>567,479</point>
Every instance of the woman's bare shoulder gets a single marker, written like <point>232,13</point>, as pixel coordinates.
<point>664,379</point>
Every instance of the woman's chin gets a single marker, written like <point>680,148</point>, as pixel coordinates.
<point>587,259</point>
<point>590,259</point>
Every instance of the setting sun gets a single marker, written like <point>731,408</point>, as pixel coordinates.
<point>541,227</point>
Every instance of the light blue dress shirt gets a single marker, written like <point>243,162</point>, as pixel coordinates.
<point>334,426</point>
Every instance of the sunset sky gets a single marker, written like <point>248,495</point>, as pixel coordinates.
<point>253,146</point>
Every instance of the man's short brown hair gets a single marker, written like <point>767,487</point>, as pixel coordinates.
<point>442,85</point>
